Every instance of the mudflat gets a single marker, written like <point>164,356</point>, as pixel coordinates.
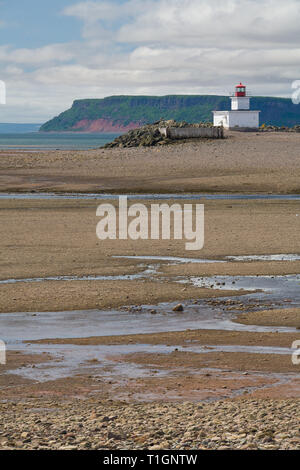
<point>136,386</point>
<point>242,162</point>
<point>50,238</point>
<point>58,237</point>
<point>185,338</point>
<point>276,317</point>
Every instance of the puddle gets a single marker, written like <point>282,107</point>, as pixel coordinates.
<point>152,270</point>
<point>175,259</point>
<point>281,287</point>
<point>18,327</point>
<point>69,360</point>
<point>178,259</point>
<point>122,277</point>
<point>281,257</point>
<point>286,197</point>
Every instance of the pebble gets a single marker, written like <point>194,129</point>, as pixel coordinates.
<point>243,424</point>
<point>178,308</point>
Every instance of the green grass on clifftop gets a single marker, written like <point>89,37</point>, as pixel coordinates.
<point>124,110</point>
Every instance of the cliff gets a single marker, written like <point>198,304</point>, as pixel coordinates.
<point>124,113</point>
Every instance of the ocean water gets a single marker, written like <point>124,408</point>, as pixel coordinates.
<point>200,197</point>
<point>53,141</point>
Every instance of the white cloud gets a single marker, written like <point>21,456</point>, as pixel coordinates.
<point>39,56</point>
<point>159,47</point>
<point>221,23</point>
<point>13,70</point>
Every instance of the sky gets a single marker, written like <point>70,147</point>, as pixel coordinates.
<point>55,51</point>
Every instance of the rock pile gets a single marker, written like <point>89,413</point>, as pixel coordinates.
<point>149,135</point>
<point>269,128</point>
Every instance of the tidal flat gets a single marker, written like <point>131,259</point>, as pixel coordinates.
<point>95,345</point>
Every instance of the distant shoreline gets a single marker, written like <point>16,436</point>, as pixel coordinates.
<point>79,132</point>
<point>47,141</point>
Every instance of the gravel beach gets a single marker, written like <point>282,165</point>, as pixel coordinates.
<point>242,424</point>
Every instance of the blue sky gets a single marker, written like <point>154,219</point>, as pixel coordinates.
<point>52,52</point>
<point>35,23</point>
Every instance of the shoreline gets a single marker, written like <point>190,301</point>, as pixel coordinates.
<point>262,194</point>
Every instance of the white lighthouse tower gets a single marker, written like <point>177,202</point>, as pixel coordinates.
<point>240,115</point>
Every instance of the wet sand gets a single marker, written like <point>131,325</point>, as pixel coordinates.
<point>42,238</point>
<point>278,317</point>
<point>185,338</point>
<point>243,362</point>
<point>56,238</point>
<point>56,296</point>
<point>49,238</point>
<point>267,268</point>
<point>243,162</point>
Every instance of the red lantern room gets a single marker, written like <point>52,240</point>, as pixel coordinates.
<point>240,90</point>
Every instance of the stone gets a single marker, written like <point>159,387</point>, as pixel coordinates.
<point>178,308</point>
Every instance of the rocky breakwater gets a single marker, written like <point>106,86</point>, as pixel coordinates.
<point>150,135</point>
<point>270,128</point>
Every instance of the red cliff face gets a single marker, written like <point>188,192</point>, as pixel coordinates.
<point>104,125</point>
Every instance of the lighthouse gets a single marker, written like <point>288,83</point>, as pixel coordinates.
<point>240,116</point>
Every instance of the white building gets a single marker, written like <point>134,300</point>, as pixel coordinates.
<point>240,114</point>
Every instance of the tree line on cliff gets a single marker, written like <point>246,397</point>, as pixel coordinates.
<point>125,112</point>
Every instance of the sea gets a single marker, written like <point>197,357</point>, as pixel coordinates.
<point>52,141</point>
